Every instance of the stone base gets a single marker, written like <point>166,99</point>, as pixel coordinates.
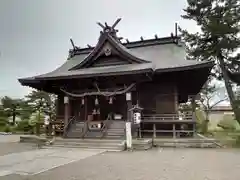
<point>185,143</point>
<point>32,139</point>
<point>142,144</point>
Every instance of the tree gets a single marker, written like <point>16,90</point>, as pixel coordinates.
<point>210,96</point>
<point>11,107</point>
<point>42,103</point>
<point>218,40</point>
<point>3,117</point>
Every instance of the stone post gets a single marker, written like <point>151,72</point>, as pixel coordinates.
<point>129,121</point>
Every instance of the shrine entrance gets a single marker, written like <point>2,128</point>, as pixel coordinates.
<point>99,108</point>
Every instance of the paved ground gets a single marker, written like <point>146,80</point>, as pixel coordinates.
<point>10,138</point>
<point>40,160</point>
<point>163,164</point>
<point>159,164</point>
<point>10,144</point>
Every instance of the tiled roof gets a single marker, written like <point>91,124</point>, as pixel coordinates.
<point>158,55</point>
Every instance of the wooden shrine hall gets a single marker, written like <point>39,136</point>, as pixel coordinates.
<point>97,87</point>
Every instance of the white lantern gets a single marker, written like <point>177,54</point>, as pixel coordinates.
<point>66,100</point>
<point>137,118</point>
<point>128,96</point>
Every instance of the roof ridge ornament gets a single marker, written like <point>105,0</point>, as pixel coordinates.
<point>110,29</point>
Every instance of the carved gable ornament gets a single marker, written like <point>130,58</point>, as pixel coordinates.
<point>107,51</point>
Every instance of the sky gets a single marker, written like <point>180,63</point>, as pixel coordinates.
<point>34,34</point>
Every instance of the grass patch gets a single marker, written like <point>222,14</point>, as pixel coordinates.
<point>228,138</point>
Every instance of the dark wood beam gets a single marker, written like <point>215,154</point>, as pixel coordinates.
<point>116,22</point>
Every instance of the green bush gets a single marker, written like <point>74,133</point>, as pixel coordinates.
<point>23,126</point>
<point>200,119</point>
<point>228,123</point>
<point>5,128</point>
<point>3,121</point>
<point>237,143</point>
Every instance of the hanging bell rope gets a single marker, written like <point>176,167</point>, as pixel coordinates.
<point>99,93</point>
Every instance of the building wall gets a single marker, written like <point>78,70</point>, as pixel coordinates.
<point>159,98</point>
<point>154,98</point>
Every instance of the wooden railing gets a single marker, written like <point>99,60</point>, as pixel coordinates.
<point>167,118</point>
<point>182,121</point>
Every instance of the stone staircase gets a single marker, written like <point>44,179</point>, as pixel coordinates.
<point>105,144</point>
<point>76,130</point>
<point>114,130</point>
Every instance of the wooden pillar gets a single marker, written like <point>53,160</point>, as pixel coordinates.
<point>176,98</point>
<point>154,131</point>
<point>66,111</point>
<point>193,111</point>
<point>174,131</point>
<point>129,106</point>
<point>140,132</point>
<point>193,103</point>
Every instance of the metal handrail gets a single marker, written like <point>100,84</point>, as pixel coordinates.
<point>68,124</point>
<point>85,128</point>
<point>105,125</point>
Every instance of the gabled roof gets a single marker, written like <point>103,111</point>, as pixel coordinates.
<point>154,55</point>
<point>107,37</point>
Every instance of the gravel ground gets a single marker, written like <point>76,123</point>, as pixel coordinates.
<point>161,164</point>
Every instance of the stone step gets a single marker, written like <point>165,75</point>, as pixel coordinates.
<point>76,132</point>
<point>120,148</point>
<point>78,124</point>
<point>74,135</point>
<point>88,140</point>
<point>115,126</point>
<point>115,132</point>
<point>88,144</point>
<point>191,143</point>
<point>77,127</point>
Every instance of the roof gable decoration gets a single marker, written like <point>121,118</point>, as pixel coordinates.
<point>109,44</point>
